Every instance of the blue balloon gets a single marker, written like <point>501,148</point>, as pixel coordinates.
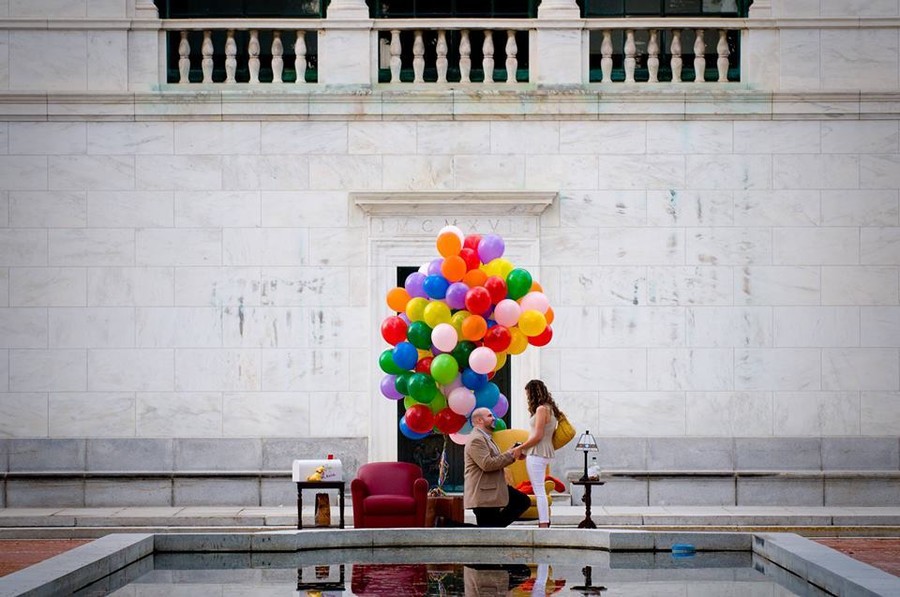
<point>436,286</point>
<point>405,355</point>
<point>487,395</point>
<point>405,430</point>
<point>472,380</point>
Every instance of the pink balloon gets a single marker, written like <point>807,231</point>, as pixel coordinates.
<point>446,389</point>
<point>458,438</point>
<point>482,360</point>
<point>507,312</point>
<point>444,337</point>
<point>461,401</point>
<point>535,301</point>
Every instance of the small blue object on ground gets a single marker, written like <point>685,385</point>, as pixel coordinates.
<point>682,548</point>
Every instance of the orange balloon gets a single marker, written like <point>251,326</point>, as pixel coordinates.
<point>536,287</point>
<point>397,298</point>
<point>474,277</point>
<point>453,268</point>
<point>448,244</point>
<point>549,315</point>
<point>474,327</point>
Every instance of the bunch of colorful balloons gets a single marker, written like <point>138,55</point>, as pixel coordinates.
<point>457,319</point>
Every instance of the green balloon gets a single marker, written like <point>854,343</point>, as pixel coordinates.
<point>499,425</point>
<point>401,384</point>
<point>518,283</point>
<point>421,387</point>
<point>444,368</point>
<point>438,403</point>
<point>419,334</point>
<point>386,362</point>
<point>409,401</point>
<point>461,353</point>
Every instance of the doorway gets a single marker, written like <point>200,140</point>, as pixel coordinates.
<point>426,453</point>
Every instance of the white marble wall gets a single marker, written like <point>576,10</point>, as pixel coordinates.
<point>208,279</point>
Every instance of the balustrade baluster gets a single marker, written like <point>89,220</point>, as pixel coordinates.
<point>300,57</point>
<point>230,57</point>
<point>512,64</point>
<point>699,57</point>
<point>184,58</point>
<point>277,60</point>
<point>253,51</point>
<point>418,58</point>
<point>724,52</point>
<point>488,51</point>
<point>606,52</point>
<point>442,56</point>
<point>465,51</point>
<point>206,49</point>
<point>630,61</point>
<point>653,56</point>
<point>396,48</point>
<point>676,56</point>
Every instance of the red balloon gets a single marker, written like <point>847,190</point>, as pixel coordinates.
<point>496,287</point>
<point>470,256</point>
<point>497,338</point>
<point>448,421</point>
<point>541,339</point>
<point>478,300</point>
<point>393,330</point>
<point>419,418</point>
<point>471,242</point>
<point>424,365</point>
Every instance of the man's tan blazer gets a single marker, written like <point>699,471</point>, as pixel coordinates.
<point>485,483</point>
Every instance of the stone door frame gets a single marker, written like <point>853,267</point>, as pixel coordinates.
<point>401,228</point>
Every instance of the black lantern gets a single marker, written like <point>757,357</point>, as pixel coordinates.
<point>586,443</point>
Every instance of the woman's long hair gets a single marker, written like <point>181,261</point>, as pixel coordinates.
<point>538,394</point>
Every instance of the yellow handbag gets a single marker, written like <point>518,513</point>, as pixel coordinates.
<point>564,432</point>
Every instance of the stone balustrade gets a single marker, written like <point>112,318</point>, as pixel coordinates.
<point>453,51</point>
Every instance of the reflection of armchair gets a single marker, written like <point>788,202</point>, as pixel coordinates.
<point>389,494</point>
<point>516,473</point>
<point>397,580</point>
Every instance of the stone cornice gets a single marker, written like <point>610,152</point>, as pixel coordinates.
<point>406,203</point>
<point>312,102</point>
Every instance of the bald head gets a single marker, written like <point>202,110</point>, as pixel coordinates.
<point>483,418</point>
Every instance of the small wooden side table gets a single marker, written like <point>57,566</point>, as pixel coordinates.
<point>448,506</point>
<point>301,485</point>
<point>587,523</point>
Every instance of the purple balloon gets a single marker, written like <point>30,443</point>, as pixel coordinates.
<point>405,318</point>
<point>501,408</point>
<point>456,295</point>
<point>490,247</point>
<point>414,285</point>
<point>388,389</point>
<point>434,268</point>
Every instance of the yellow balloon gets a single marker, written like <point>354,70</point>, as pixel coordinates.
<point>436,312</point>
<point>490,268</point>
<point>504,266</point>
<point>457,318</point>
<point>423,353</point>
<point>532,322</point>
<point>501,360</point>
<point>415,308</point>
<point>518,342</point>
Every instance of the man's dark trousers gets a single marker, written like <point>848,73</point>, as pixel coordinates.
<point>503,517</point>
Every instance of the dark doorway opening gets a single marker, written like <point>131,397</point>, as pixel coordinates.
<point>427,452</point>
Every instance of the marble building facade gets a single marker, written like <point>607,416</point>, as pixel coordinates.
<point>191,275</point>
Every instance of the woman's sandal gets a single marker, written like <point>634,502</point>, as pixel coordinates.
<point>543,525</point>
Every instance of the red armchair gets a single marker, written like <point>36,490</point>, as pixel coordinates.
<point>389,494</point>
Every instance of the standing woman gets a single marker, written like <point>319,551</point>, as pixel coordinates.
<point>538,448</point>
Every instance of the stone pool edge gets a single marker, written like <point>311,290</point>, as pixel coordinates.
<point>814,563</point>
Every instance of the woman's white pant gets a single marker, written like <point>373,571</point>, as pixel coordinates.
<point>537,468</point>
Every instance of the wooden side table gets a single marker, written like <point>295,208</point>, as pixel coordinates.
<point>448,506</point>
<point>301,485</point>
<point>587,523</point>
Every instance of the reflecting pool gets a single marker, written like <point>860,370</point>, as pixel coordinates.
<point>408,572</point>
